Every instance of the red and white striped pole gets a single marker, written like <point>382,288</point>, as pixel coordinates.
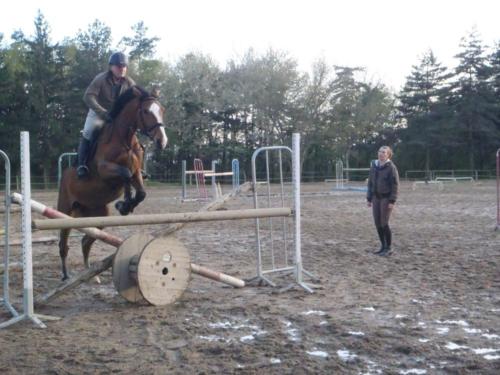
<point>51,213</point>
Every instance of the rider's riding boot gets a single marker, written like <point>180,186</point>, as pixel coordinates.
<point>83,152</point>
<point>388,240</point>
<point>381,235</point>
<point>387,251</point>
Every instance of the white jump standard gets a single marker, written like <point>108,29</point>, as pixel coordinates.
<point>296,267</point>
<point>28,307</point>
<point>6,289</point>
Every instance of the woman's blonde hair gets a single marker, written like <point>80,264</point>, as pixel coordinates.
<point>389,151</point>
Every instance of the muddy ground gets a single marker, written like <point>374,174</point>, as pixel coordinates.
<point>432,307</point>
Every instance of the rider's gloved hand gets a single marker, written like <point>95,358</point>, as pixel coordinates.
<point>107,117</point>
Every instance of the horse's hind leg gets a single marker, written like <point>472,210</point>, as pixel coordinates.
<point>88,241</point>
<point>63,250</point>
<point>64,206</point>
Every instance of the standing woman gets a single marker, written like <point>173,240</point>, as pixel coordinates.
<point>383,184</point>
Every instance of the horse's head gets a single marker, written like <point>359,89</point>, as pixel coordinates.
<point>151,121</point>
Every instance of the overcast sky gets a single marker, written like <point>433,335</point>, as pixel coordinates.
<point>385,36</point>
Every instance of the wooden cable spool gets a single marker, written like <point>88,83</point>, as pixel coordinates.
<point>157,270</point>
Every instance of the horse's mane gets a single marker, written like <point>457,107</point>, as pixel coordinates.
<point>126,97</point>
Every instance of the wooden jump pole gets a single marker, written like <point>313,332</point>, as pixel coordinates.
<point>106,263</point>
<point>185,217</point>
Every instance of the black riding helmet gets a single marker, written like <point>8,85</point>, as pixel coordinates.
<point>118,58</point>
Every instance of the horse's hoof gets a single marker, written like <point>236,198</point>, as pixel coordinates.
<point>124,211</point>
<point>122,207</point>
<point>64,278</point>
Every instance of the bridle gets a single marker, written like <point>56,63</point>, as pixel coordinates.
<point>147,130</point>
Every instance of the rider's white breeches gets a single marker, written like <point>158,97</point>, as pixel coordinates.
<point>92,122</point>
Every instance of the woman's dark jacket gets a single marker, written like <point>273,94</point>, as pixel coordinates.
<point>383,181</point>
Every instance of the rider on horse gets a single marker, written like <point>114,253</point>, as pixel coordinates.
<point>99,97</point>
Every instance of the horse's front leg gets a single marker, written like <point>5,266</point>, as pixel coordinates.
<point>125,206</point>
<point>108,170</point>
<point>140,193</point>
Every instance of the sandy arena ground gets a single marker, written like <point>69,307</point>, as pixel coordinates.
<point>432,307</point>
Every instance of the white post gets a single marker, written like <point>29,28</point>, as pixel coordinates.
<point>183,180</point>
<point>214,187</point>
<point>296,195</point>
<point>299,269</point>
<point>26,225</point>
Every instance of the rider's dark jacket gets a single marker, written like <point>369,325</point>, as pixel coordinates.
<point>383,181</point>
<point>103,91</point>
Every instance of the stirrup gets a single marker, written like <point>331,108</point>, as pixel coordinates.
<point>144,174</point>
<point>82,171</point>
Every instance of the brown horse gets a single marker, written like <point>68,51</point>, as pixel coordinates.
<point>115,167</point>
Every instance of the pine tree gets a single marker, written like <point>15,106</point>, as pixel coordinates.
<point>359,111</point>
<point>469,99</point>
<point>422,109</point>
<point>492,77</point>
<point>140,45</point>
<point>45,63</point>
